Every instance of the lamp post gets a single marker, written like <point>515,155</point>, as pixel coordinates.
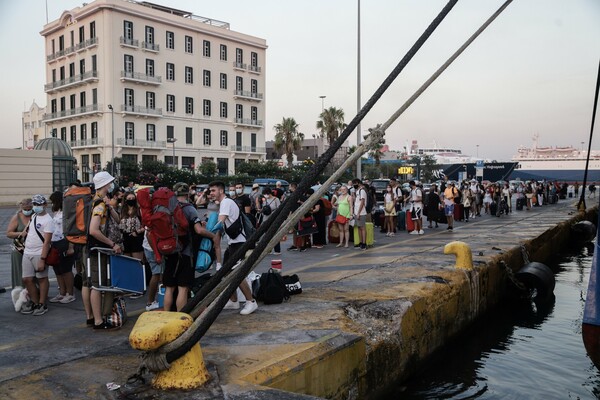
<point>582,146</point>
<point>322,103</point>
<point>173,140</point>
<point>112,142</point>
<point>477,150</point>
<point>358,105</point>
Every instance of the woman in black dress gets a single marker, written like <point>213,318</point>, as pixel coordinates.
<point>432,206</point>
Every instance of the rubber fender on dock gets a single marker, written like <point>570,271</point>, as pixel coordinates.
<point>537,276</point>
<point>583,232</point>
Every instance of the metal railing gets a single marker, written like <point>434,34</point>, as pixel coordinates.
<point>248,149</point>
<point>129,42</point>
<point>141,110</point>
<point>86,142</point>
<point>72,81</point>
<point>248,95</point>
<point>71,112</point>
<point>254,68</point>
<point>141,143</point>
<point>138,76</point>
<point>248,121</point>
<point>239,65</point>
<point>150,46</point>
<point>79,46</point>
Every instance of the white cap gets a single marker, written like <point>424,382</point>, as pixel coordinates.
<point>102,179</point>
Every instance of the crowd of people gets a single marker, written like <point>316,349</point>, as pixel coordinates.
<point>116,223</point>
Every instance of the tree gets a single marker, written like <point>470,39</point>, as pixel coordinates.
<point>376,154</point>
<point>425,166</point>
<point>287,138</point>
<point>208,169</point>
<point>331,124</point>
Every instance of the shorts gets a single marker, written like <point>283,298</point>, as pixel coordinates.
<point>178,271</point>
<point>133,244</point>
<point>30,264</point>
<point>232,248</point>
<point>65,265</point>
<point>92,278</point>
<point>416,213</point>
<point>449,210</point>
<point>360,221</point>
<point>157,268</point>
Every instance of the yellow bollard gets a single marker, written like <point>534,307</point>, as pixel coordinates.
<point>155,329</point>
<point>462,251</point>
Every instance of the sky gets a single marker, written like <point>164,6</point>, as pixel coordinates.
<point>532,71</point>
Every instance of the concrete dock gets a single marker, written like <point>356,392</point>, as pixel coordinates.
<point>365,319</point>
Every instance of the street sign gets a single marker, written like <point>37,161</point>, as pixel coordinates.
<point>405,170</point>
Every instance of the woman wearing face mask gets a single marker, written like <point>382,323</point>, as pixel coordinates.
<point>131,226</point>
<point>389,202</point>
<point>64,270</point>
<point>272,202</point>
<point>17,227</point>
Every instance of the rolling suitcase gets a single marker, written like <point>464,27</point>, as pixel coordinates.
<point>333,232</point>
<point>370,230</point>
<point>520,203</point>
<point>493,208</point>
<point>410,224</point>
<point>401,220</point>
<point>459,213</point>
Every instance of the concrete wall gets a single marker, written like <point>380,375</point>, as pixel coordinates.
<point>24,173</point>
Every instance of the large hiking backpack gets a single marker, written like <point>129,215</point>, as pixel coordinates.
<point>77,212</point>
<point>272,289</point>
<point>166,222</point>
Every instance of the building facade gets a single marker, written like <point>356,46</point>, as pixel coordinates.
<point>139,81</point>
<point>34,128</point>
<point>311,149</point>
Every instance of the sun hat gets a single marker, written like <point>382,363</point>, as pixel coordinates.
<point>102,179</point>
<point>181,189</point>
<point>255,186</point>
<point>39,199</point>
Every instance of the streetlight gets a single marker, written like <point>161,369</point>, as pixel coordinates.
<point>173,140</point>
<point>582,146</point>
<point>112,161</point>
<point>477,150</point>
<point>358,105</point>
<point>322,103</point>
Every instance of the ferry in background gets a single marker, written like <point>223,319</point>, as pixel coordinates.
<point>555,163</point>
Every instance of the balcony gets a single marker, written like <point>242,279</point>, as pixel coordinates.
<point>69,50</point>
<point>254,69</point>
<point>140,78</point>
<point>142,111</point>
<point>72,113</point>
<point>254,123</point>
<point>150,47</point>
<point>86,143</point>
<point>158,144</point>
<point>248,149</point>
<point>77,80</point>
<point>128,42</point>
<point>243,94</point>
<point>239,65</point>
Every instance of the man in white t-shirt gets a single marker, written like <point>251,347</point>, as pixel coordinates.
<point>37,247</point>
<point>360,213</point>
<point>416,208</point>
<point>229,212</point>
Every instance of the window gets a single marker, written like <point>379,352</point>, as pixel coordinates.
<point>206,108</point>
<point>94,62</point>
<point>189,134</point>
<point>71,69</point>
<point>93,29</point>
<point>82,66</point>
<point>189,75</point>
<point>239,83</point>
<point>129,98</point>
<point>223,81</point>
<point>189,105</point>
<point>187,162</point>
<point>254,59</point>
<point>95,96</point>
<point>170,72</point>
<point>223,109</point>
<point>83,132</point>
<point>254,86</point>
<point>223,138</point>
<point>150,100</point>
<point>170,103</point>
<point>63,104</point>
<point>149,67</point>
<point>61,43</point>
<point>63,133</point>
<point>129,133</point>
<point>147,157</point>
<point>254,113</point>
<point>253,142</point>
<point>85,161</point>
<point>73,133</point>
<point>62,73</point>
<point>82,102</point>
<point>81,34</point>
<point>54,75</point>
<point>128,30</point>
<point>149,35</point>
<point>94,130</point>
<point>222,166</point>
<point>207,137</point>
<point>239,56</point>
<point>150,132</point>
<point>206,48</point>
<point>96,162</point>
<point>223,52</point>
<point>189,45</point>
<point>170,40</point>
<point>72,101</point>
<point>53,47</point>
<point>72,34</point>
<point>170,131</point>
<point>53,106</point>
<point>128,63</point>
<point>239,111</point>
<point>206,75</point>
<point>132,158</point>
<point>238,139</point>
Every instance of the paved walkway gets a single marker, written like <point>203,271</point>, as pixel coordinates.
<point>56,355</point>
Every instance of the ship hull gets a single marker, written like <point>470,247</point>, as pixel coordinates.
<point>567,175</point>
<point>492,172</point>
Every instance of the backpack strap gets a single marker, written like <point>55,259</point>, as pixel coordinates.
<point>36,229</point>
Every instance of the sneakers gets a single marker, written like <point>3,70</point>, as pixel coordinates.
<point>292,248</point>
<point>421,232</point>
<point>219,266</point>
<point>152,306</point>
<point>414,233</point>
<point>40,309</point>
<point>27,308</point>
<point>135,296</point>
<point>104,326</point>
<point>363,246</point>
<point>275,253</point>
<point>249,308</point>
<point>67,299</point>
<point>232,305</point>
<point>56,298</point>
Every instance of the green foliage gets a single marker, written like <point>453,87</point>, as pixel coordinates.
<point>208,169</point>
<point>265,169</point>
<point>331,123</point>
<point>287,138</point>
<point>153,167</point>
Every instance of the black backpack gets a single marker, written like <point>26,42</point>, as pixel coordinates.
<point>272,290</point>
<point>369,203</point>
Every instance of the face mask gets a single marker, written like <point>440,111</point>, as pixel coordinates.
<point>27,213</point>
<point>239,191</point>
<point>38,209</point>
<point>130,202</point>
<point>355,186</point>
<point>232,193</point>
<point>389,190</point>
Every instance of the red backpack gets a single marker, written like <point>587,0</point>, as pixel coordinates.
<point>326,206</point>
<point>166,222</point>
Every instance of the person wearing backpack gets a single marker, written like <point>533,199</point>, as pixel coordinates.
<point>269,205</point>
<point>179,266</point>
<point>229,217</point>
<point>360,213</point>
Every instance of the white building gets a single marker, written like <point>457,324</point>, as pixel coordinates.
<point>33,126</point>
<point>176,87</point>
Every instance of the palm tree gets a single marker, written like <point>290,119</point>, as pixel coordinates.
<point>287,138</point>
<point>376,154</point>
<point>331,123</point>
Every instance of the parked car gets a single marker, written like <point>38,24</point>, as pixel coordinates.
<point>380,186</point>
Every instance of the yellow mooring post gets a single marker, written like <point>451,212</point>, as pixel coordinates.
<point>462,251</point>
<point>157,328</point>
